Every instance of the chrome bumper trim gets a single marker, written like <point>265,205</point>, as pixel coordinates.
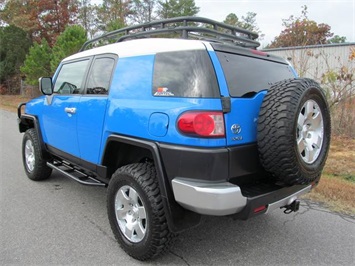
<point>208,197</point>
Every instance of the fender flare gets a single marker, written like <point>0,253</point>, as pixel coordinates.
<point>24,125</point>
<point>178,218</point>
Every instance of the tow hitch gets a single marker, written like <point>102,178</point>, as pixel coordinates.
<point>293,207</point>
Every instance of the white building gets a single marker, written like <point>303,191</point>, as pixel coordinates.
<point>316,60</point>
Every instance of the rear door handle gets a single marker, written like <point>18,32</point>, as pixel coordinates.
<point>70,110</point>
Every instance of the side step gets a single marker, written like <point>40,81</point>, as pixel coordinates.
<point>75,174</point>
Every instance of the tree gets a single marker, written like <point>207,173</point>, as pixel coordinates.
<point>14,45</point>
<point>22,14</point>
<point>43,60</point>
<point>337,39</point>
<point>113,14</point>
<point>68,43</point>
<point>247,22</point>
<point>40,18</point>
<point>339,84</point>
<point>37,63</point>
<point>142,11</point>
<point>87,17</point>
<point>176,8</point>
<point>56,15</point>
<point>301,31</point>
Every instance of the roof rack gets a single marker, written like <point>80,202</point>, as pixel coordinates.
<point>187,27</point>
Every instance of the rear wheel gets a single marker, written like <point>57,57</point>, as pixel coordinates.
<point>136,213</point>
<point>294,131</point>
<point>35,165</point>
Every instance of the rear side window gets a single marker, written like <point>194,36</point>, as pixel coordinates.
<point>100,76</point>
<point>246,74</point>
<point>184,74</point>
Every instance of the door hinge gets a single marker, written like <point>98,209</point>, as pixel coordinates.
<point>226,104</point>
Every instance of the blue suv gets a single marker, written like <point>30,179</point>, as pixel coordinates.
<point>197,123</point>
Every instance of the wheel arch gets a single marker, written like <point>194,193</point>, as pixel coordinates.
<point>26,122</point>
<point>122,150</point>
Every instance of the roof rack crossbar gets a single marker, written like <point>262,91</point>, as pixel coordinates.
<point>220,31</point>
<point>190,29</point>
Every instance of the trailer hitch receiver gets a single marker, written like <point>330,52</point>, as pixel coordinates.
<point>293,207</point>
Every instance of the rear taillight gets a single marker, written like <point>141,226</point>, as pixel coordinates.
<point>202,124</point>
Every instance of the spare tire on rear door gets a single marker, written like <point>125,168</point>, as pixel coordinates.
<point>294,131</point>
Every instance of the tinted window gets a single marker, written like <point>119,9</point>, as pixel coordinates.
<point>248,74</point>
<point>70,78</point>
<point>100,76</point>
<point>184,74</point>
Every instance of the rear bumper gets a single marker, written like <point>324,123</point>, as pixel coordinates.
<point>210,164</point>
<point>224,198</point>
<point>208,197</point>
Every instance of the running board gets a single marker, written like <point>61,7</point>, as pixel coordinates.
<point>75,174</point>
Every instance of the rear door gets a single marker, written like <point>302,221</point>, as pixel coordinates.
<point>92,107</point>
<point>247,77</point>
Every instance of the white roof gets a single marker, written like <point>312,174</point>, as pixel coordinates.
<point>142,47</point>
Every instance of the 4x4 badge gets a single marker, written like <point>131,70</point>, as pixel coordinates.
<point>236,129</point>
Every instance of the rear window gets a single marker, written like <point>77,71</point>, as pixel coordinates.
<point>245,74</point>
<point>184,74</point>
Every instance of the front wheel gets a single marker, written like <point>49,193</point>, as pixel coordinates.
<point>136,213</point>
<point>32,156</point>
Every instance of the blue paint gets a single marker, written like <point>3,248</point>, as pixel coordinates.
<point>158,124</point>
<point>132,110</point>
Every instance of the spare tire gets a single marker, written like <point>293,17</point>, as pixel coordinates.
<point>294,131</point>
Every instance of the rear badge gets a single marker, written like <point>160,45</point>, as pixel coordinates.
<point>163,91</point>
<point>236,129</point>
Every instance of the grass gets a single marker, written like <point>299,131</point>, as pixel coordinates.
<point>10,102</point>
<point>336,188</point>
<point>337,193</point>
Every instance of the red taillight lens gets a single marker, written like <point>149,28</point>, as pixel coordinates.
<point>260,209</point>
<point>205,124</point>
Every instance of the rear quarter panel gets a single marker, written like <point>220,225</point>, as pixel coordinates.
<point>131,104</point>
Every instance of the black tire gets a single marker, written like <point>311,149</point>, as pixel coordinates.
<point>147,233</point>
<point>294,131</point>
<point>32,157</point>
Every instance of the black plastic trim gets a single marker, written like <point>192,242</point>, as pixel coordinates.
<point>99,171</point>
<point>210,164</point>
<point>19,109</point>
<point>178,218</point>
<point>246,52</point>
<point>244,161</point>
<point>24,126</point>
<point>226,104</point>
<point>265,199</point>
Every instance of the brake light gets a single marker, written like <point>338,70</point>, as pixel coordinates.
<point>202,123</point>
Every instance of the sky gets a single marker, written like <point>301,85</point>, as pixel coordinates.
<point>338,14</point>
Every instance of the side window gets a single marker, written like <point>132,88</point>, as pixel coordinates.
<point>100,76</point>
<point>70,78</point>
<point>184,74</point>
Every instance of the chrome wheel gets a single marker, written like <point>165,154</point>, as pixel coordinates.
<point>30,158</point>
<point>130,214</point>
<point>310,131</point>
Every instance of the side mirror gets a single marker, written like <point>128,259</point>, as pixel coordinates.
<point>46,85</point>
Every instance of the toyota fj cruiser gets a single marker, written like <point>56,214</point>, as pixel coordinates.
<point>178,127</point>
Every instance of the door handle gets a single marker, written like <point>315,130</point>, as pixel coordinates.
<point>70,110</point>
